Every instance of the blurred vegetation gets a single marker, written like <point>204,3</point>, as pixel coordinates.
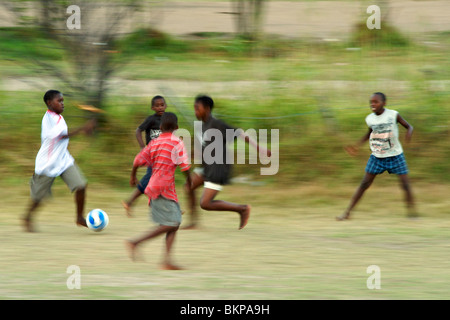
<point>324,86</point>
<point>386,36</point>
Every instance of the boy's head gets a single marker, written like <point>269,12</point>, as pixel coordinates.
<point>377,102</point>
<point>203,106</point>
<point>159,105</point>
<point>54,101</point>
<point>169,122</point>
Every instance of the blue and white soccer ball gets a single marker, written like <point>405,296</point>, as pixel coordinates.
<point>97,220</point>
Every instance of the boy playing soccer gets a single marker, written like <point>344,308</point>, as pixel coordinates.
<point>151,126</point>
<point>214,175</point>
<point>387,152</point>
<point>163,154</point>
<point>53,159</point>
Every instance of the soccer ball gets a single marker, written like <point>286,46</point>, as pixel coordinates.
<point>97,220</point>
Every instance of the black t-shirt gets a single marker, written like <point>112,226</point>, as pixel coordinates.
<point>215,164</point>
<point>151,126</point>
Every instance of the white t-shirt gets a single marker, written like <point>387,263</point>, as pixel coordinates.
<point>384,137</point>
<point>53,158</point>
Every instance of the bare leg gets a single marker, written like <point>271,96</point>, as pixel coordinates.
<point>365,184</point>
<point>26,220</point>
<point>170,237</point>
<point>127,204</point>
<point>131,245</point>
<point>409,199</point>
<point>207,202</point>
<point>197,181</point>
<point>137,192</point>
<point>80,197</point>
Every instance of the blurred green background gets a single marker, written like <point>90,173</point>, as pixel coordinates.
<point>323,83</point>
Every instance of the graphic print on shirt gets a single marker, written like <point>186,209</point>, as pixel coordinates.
<point>154,133</point>
<point>381,138</point>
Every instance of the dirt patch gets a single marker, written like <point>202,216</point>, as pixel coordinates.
<point>317,19</point>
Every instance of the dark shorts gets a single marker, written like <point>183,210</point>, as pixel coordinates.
<point>214,176</point>
<point>396,165</point>
<point>145,179</point>
<point>217,173</point>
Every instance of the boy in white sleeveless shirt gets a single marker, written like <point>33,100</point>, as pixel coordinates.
<point>387,152</point>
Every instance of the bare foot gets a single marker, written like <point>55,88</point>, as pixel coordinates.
<point>127,209</point>
<point>28,226</point>
<point>131,247</point>
<point>343,217</point>
<point>81,222</point>
<point>169,266</point>
<point>245,215</point>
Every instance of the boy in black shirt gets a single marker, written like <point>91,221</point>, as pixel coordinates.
<point>216,170</point>
<point>151,126</point>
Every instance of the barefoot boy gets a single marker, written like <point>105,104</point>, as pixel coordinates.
<point>53,159</point>
<point>151,127</point>
<point>216,174</point>
<point>163,154</point>
<point>387,153</point>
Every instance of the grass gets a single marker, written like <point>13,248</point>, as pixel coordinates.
<point>293,247</point>
<point>148,53</point>
<point>306,141</point>
<point>388,36</point>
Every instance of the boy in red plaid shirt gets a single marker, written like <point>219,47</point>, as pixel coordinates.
<point>163,154</point>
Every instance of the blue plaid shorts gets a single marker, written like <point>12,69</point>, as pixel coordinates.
<point>396,165</point>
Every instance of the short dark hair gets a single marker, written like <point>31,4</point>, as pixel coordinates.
<point>169,121</point>
<point>50,94</point>
<point>382,95</point>
<point>205,100</point>
<point>157,98</point>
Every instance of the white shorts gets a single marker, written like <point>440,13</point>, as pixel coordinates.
<point>199,171</point>
<point>214,186</point>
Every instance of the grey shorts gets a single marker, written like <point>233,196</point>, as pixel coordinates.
<point>41,185</point>
<point>165,212</point>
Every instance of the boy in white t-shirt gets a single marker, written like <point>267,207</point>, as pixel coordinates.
<point>53,159</point>
<point>387,152</point>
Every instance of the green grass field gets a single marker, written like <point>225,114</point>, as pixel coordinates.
<point>291,249</point>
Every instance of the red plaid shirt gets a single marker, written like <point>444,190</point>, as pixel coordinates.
<point>163,154</point>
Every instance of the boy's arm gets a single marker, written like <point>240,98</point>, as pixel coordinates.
<point>255,144</point>
<point>353,149</point>
<point>143,127</point>
<point>88,128</point>
<point>189,190</point>
<point>182,160</point>
<point>239,133</point>
<point>187,173</point>
<point>141,159</point>
<point>407,126</point>
<point>139,138</point>
<point>133,178</point>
